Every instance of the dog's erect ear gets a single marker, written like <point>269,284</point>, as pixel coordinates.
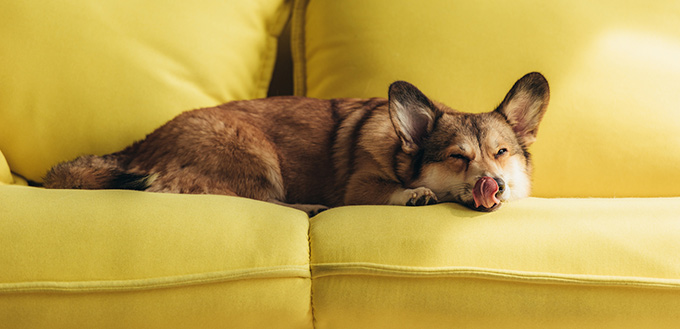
<point>412,114</point>
<point>525,105</point>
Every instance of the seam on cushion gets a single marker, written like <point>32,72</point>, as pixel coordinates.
<point>311,285</point>
<point>371,269</point>
<point>275,272</point>
<point>298,48</point>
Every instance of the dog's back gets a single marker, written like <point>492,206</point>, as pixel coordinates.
<point>244,148</point>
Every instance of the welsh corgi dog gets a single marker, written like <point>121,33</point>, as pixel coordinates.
<point>313,154</point>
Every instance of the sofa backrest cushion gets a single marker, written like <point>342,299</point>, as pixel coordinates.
<point>81,77</point>
<point>611,129</point>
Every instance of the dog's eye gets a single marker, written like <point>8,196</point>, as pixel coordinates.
<point>501,152</point>
<point>460,157</point>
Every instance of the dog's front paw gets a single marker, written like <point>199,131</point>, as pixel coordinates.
<point>421,196</point>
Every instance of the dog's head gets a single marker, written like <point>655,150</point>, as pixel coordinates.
<point>478,160</point>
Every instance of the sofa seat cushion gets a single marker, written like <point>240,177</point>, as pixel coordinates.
<point>537,263</point>
<point>122,259</point>
<point>82,77</point>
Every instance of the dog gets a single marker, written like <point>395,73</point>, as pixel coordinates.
<point>313,154</point>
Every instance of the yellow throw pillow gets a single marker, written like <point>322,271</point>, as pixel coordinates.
<point>93,76</point>
<point>611,129</point>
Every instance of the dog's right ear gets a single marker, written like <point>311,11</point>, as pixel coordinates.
<point>525,105</point>
<point>412,115</point>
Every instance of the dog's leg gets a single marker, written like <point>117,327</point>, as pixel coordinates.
<point>373,190</point>
<point>310,209</point>
<point>210,151</point>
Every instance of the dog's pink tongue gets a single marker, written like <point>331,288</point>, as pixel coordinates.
<point>485,191</point>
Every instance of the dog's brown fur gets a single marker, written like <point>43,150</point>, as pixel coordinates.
<point>312,154</point>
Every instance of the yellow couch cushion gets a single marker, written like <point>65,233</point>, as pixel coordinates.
<point>537,263</point>
<point>612,126</point>
<point>92,77</point>
<point>124,259</point>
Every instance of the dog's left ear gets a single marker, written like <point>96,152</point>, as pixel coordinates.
<point>525,105</point>
<point>412,114</point>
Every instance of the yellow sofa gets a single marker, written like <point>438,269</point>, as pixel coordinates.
<point>595,247</point>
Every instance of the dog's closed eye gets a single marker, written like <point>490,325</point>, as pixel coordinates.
<point>460,157</point>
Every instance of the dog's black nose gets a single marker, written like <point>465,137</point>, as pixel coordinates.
<point>501,185</point>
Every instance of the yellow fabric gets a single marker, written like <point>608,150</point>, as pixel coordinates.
<point>5,174</point>
<point>18,180</point>
<point>280,303</point>
<point>611,129</point>
<point>536,263</point>
<point>92,77</point>
<point>124,259</point>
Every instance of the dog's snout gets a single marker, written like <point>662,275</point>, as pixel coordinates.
<point>501,185</point>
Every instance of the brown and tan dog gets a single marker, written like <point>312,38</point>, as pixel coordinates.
<point>313,154</point>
